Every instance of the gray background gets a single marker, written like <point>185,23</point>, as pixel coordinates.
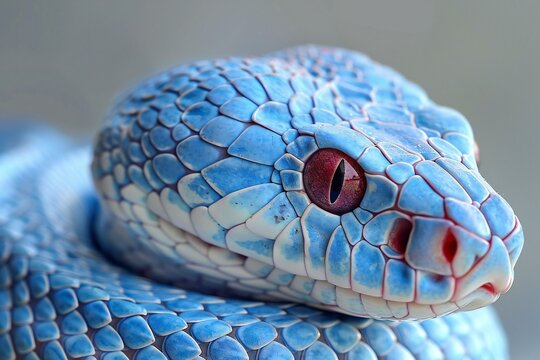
<point>65,61</point>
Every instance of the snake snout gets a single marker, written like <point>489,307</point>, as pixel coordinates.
<point>478,256</point>
<point>491,276</point>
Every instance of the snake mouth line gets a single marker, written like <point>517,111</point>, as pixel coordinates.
<point>481,297</point>
<point>387,309</point>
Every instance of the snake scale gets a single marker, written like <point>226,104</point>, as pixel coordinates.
<point>308,204</point>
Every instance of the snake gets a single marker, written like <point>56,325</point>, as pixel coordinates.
<point>306,204</point>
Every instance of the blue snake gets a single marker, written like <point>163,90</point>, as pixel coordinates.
<point>308,204</point>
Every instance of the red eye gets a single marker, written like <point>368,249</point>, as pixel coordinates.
<point>334,181</point>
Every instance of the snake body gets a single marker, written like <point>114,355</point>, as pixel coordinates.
<point>306,204</point>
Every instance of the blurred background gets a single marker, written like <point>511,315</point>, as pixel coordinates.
<point>65,61</point>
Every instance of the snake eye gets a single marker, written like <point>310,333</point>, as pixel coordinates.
<point>334,181</point>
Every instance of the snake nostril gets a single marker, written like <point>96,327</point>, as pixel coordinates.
<point>449,246</point>
<point>399,235</point>
<point>490,288</point>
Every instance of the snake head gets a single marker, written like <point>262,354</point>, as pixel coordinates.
<point>313,175</point>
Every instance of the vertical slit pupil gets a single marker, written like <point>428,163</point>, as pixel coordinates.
<point>337,182</point>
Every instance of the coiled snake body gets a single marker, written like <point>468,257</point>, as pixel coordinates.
<point>305,204</point>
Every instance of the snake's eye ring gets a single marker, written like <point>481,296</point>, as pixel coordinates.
<point>334,181</point>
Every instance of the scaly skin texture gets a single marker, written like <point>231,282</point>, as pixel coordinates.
<point>204,192</point>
